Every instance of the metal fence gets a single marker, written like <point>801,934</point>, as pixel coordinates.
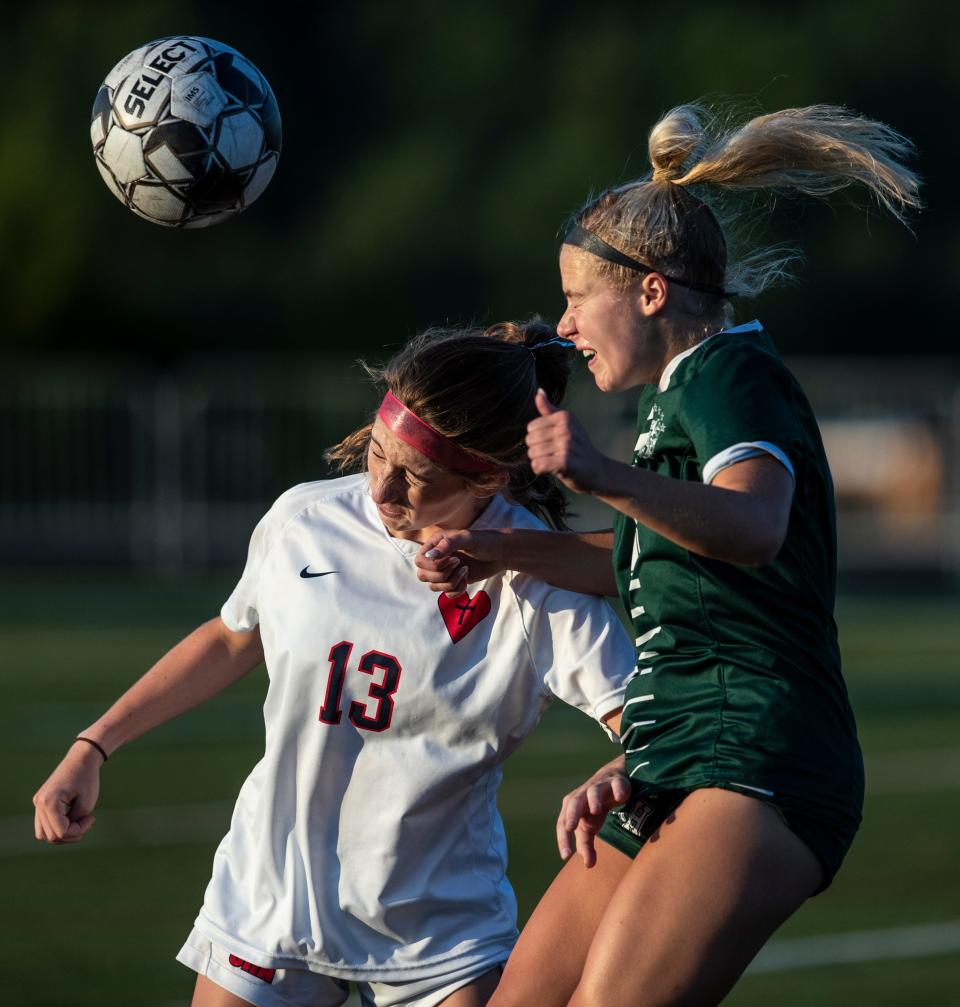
<point>114,465</point>
<point>110,464</point>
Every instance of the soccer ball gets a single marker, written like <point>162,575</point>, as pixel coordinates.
<point>185,131</point>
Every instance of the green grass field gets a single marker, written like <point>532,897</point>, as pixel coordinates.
<point>99,924</point>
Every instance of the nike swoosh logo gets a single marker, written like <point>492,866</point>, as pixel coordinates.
<point>305,572</point>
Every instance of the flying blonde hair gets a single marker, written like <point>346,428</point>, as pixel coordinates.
<point>813,151</point>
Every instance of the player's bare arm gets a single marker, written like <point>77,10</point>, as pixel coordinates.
<point>741,517</point>
<point>575,561</point>
<point>204,663</point>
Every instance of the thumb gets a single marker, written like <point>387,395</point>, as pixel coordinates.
<point>435,546</point>
<point>445,544</point>
<point>79,828</point>
<point>544,406</point>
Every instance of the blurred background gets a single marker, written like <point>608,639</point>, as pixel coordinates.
<point>159,388</point>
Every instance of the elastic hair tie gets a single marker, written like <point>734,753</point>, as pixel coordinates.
<point>580,237</point>
<point>95,744</point>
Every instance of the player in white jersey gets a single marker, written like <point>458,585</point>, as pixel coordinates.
<point>366,845</point>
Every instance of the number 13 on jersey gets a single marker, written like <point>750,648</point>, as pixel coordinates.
<point>382,691</point>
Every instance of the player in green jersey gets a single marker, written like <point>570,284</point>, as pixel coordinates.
<point>741,783</point>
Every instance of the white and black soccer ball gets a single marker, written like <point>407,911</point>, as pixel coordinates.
<point>185,131</point>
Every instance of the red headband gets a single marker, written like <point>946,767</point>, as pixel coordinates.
<point>412,430</point>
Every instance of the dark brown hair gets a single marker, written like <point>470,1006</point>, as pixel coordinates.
<point>477,387</point>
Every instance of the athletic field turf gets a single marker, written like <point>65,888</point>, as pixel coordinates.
<point>99,924</point>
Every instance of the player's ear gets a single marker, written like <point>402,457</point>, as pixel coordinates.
<point>651,294</point>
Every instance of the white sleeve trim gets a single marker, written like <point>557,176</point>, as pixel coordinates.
<point>741,452</point>
<point>245,624</point>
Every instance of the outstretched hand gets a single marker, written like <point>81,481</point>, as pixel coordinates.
<point>584,809</point>
<point>557,444</point>
<point>451,560</point>
<point>64,804</point>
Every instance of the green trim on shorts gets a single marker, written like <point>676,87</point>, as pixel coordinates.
<point>628,828</point>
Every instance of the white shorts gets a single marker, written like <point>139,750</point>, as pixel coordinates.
<point>299,987</point>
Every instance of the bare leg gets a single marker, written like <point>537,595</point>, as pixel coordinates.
<point>700,900</point>
<point>547,962</point>
<point>208,994</point>
<point>477,993</point>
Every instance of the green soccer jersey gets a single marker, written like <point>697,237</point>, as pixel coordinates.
<point>738,678</point>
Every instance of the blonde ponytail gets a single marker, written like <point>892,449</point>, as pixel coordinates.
<point>663,223</point>
<point>814,150</point>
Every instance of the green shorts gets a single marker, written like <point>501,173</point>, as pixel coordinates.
<point>628,828</point>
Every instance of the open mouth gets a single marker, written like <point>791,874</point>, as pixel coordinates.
<point>589,356</point>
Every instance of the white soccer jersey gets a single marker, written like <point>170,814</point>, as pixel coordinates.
<point>367,843</point>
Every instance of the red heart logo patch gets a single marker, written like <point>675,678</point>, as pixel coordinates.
<point>462,613</point>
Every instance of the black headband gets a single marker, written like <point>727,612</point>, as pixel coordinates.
<point>590,242</point>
